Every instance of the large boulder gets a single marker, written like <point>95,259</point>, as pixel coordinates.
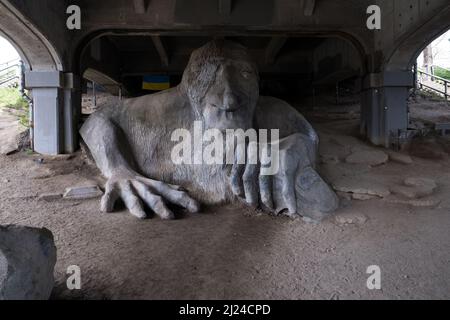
<point>11,132</point>
<point>27,260</point>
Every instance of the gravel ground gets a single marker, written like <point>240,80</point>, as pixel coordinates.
<point>232,252</point>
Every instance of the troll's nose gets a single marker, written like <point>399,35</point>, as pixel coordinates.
<point>230,102</point>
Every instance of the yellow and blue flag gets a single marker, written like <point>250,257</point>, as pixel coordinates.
<point>156,82</point>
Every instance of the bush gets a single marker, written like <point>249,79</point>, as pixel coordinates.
<point>441,72</point>
<point>11,99</point>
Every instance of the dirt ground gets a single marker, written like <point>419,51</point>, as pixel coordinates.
<point>233,252</point>
<point>429,110</point>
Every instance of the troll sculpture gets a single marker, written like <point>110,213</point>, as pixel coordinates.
<point>131,144</point>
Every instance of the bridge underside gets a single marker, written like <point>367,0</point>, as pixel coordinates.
<point>297,44</point>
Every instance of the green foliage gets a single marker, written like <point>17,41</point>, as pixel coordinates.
<point>29,152</point>
<point>11,100</point>
<point>441,72</point>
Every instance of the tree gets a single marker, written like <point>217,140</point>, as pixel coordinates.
<point>428,59</point>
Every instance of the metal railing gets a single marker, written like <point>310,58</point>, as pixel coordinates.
<point>9,63</point>
<point>10,82</point>
<point>10,73</point>
<point>441,86</point>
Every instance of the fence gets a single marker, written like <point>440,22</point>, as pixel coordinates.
<point>431,82</point>
<point>11,73</point>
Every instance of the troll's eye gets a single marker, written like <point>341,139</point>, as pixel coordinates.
<point>246,74</point>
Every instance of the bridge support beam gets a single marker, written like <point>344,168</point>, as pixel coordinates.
<point>55,108</point>
<point>72,111</point>
<point>384,108</point>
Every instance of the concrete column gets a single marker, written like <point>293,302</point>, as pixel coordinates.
<point>72,111</point>
<point>384,107</point>
<point>56,110</point>
<point>47,110</point>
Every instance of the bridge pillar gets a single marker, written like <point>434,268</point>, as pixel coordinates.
<point>384,107</point>
<point>72,111</point>
<point>55,96</point>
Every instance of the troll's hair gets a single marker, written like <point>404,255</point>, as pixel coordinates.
<point>201,70</point>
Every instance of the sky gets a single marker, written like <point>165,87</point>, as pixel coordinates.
<point>7,51</point>
<point>441,51</point>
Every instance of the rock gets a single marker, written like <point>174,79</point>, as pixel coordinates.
<point>407,192</point>
<point>50,196</point>
<point>350,218</point>
<point>27,261</point>
<point>399,157</point>
<point>83,192</point>
<point>10,133</point>
<point>9,149</point>
<point>369,157</point>
<point>415,188</point>
<point>6,180</point>
<point>355,196</point>
<point>347,142</point>
<point>410,192</point>
<point>424,202</point>
<point>414,202</point>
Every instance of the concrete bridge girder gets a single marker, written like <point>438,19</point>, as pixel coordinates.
<point>53,53</point>
<point>34,49</point>
<point>55,97</point>
<point>404,54</point>
<point>384,110</point>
